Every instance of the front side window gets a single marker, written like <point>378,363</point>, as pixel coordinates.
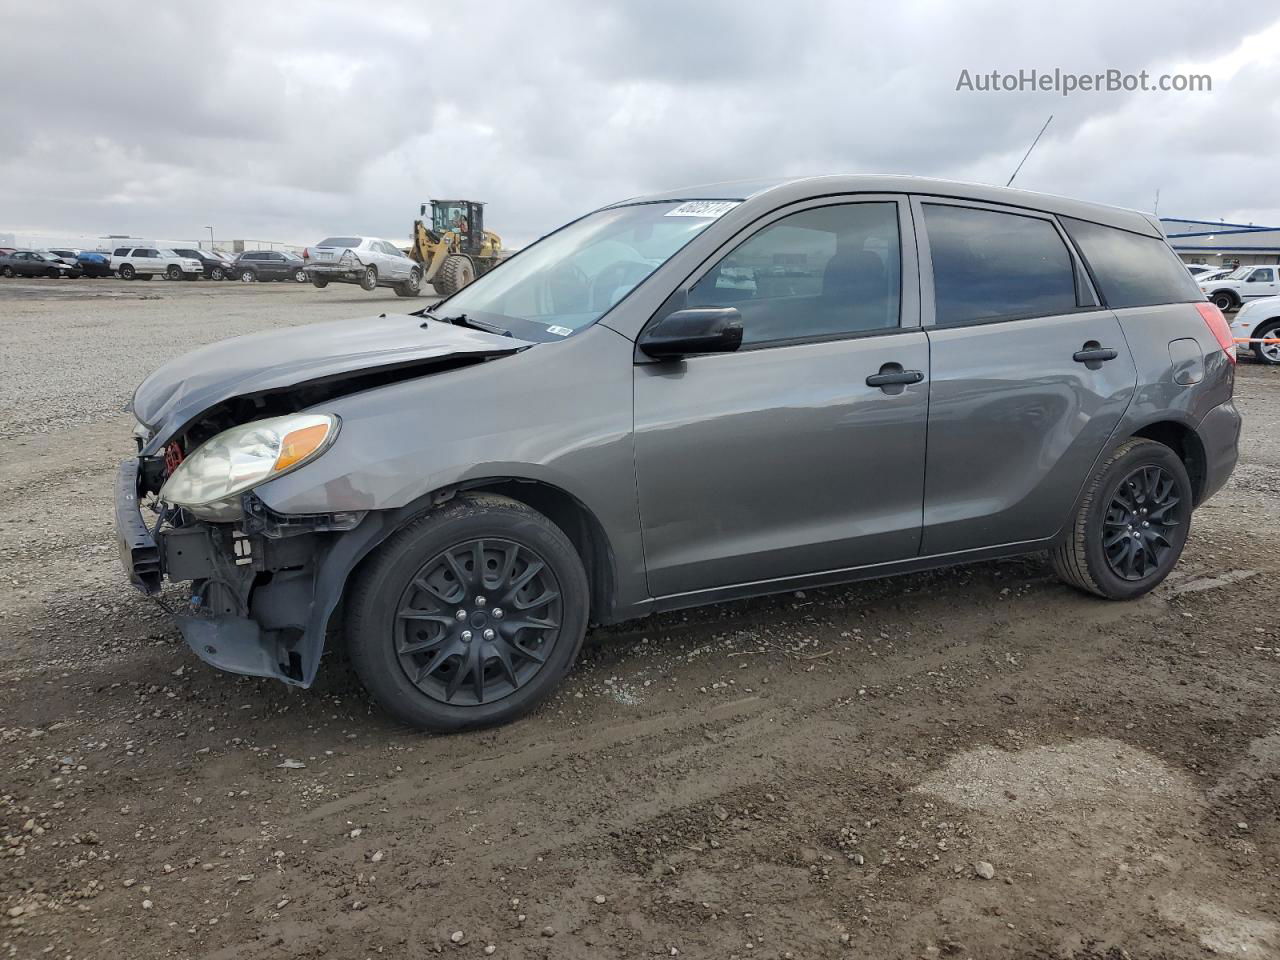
<point>1132,270</point>
<point>990,266</point>
<point>569,279</point>
<point>825,272</point>
<point>1263,276</point>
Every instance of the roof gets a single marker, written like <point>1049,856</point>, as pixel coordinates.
<point>790,189</point>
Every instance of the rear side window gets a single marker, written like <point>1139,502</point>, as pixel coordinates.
<point>339,242</point>
<point>121,252</point>
<point>826,272</point>
<point>1132,270</point>
<point>996,266</point>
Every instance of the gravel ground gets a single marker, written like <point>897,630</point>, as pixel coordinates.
<point>976,762</point>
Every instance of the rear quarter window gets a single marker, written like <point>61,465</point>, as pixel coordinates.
<point>1132,270</point>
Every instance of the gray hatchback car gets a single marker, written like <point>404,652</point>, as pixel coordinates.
<point>710,393</point>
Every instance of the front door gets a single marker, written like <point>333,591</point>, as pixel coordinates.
<point>1260,283</point>
<point>781,460</point>
<point>1030,375</point>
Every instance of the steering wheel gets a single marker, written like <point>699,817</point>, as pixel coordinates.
<point>624,273</point>
<point>569,288</point>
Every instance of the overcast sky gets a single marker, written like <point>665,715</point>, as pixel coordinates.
<point>290,121</point>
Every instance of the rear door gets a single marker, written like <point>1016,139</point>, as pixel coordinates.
<point>1030,375</point>
<point>781,459</point>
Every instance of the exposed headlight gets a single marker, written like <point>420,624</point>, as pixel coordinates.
<point>210,480</point>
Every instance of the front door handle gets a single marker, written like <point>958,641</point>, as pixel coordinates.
<point>1094,353</point>
<point>892,374</point>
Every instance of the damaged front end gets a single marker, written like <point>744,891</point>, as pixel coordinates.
<point>264,585</point>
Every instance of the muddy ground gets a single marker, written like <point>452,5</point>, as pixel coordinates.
<point>972,763</point>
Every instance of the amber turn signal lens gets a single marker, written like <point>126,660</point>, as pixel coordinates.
<point>297,445</point>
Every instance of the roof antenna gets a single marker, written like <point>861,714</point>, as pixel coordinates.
<point>1032,147</point>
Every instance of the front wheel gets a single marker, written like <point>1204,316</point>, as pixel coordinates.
<point>1130,526</point>
<point>410,287</point>
<point>173,272</point>
<point>217,274</point>
<point>299,276</point>
<point>469,616</point>
<point>455,273</point>
<point>1224,301</point>
<point>247,276</point>
<point>1268,353</point>
<point>7,272</point>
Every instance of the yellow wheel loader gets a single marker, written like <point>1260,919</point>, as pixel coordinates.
<point>454,247</point>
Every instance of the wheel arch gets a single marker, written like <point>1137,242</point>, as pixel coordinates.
<point>1234,295</point>
<point>1183,440</point>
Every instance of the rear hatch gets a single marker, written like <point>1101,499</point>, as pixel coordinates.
<point>331,249</point>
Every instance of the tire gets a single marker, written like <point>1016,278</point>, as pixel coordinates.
<point>127,272</point>
<point>1093,556</point>
<point>173,272</point>
<point>217,274</point>
<point>7,272</point>
<point>1268,353</point>
<point>369,279</point>
<point>412,286</point>
<point>448,698</point>
<point>51,273</point>
<point>319,282</point>
<point>1224,300</point>
<point>455,273</point>
<point>299,276</point>
<point>248,276</point>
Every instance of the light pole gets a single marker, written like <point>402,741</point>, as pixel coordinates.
<point>210,229</point>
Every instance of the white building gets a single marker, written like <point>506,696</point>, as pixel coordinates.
<point>1219,243</point>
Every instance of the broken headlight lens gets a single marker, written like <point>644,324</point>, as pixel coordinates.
<point>209,481</point>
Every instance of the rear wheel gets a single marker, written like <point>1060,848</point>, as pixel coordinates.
<point>7,271</point>
<point>1268,353</point>
<point>455,273</point>
<point>369,279</point>
<point>319,282</point>
<point>1131,524</point>
<point>52,273</point>
<point>173,272</point>
<point>469,616</point>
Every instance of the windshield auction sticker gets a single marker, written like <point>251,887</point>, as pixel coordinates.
<point>709,209</point>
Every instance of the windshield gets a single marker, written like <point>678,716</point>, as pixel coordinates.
<point>570,278</point>
<point>1239,273</point>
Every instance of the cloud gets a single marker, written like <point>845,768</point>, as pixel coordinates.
<point>284,122</point>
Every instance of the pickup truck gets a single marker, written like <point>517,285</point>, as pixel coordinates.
<point>1242,284</point>
<point>143,263</point>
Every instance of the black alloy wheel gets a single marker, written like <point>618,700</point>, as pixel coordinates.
<point>1138,533</point>
<point>478,621</point>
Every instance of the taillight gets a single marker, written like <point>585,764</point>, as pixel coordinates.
<point>306,253</point>
<point>1218,326</point>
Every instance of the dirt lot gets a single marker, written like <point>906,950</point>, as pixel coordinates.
<point>820,775</point>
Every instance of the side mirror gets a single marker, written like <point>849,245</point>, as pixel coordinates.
<point>693,330</point>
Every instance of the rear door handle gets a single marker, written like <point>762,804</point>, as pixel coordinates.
<point>1093,353</point>
<point>892,374</point>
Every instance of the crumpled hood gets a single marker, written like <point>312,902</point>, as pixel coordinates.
<point>182,389</point>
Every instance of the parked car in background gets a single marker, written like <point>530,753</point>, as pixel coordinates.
<point>1243,283</point>
<point>1259,320</point>
<point>65,254</point>
<point>268,265</point>
<point>35,263</point>
<point>1217,273</point>
<point>217,266</point>
<point>369,261</point>
<point>1199,269</point>
<point>602,429</point>
<point>94,263</point>
<point>143,263</point>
